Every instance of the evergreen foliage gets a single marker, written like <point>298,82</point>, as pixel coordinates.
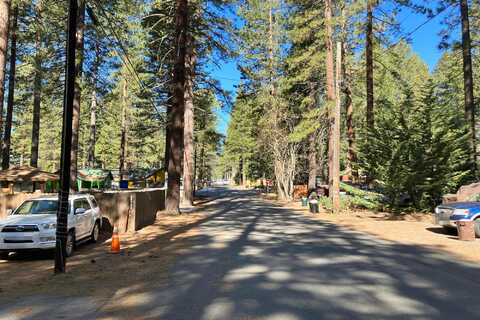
<point>417,150</point>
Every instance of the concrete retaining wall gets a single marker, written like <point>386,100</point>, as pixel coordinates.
<point>127,210</point>
<point>11,201</point>
<point>131,210</point>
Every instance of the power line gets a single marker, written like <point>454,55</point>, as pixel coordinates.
<point>406,36</point>
<point>125,57</point>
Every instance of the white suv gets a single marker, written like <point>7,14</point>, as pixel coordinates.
<point>32,225</point>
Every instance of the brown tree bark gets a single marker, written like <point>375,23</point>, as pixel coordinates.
<point>178,108</point>
<point>93,112</point>
<point>312,162</point>
<point>244,172</point>
<point>369,65</point>
<point>188,131</point>
<point>331,97</point>
<point>93,130</point>
<point>11,92</point>
<point>194,170</point>
<point>4,30</point>
<point>77,97</point>
<point>312,146</point>
<point>335,181</point>
<point>37,92</point>
<point>468,79</point>
<point>167,134</point>
<point>201,169</point>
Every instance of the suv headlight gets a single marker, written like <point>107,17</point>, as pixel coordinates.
<point>48,226</point>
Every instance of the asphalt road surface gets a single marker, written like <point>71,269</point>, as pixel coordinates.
<point>251,259</point>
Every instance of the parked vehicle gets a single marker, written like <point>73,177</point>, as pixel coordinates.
<point>447,214</point>
<point>32,225</point>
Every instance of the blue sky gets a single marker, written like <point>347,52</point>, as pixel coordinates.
<point>229,76</point>
<point>424,42</point>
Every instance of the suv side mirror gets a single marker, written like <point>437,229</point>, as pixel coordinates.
<point>80,211</point>
<point>9,212</point>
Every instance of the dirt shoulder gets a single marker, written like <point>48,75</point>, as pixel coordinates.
<point>414,229</point>
<point>145,259</point>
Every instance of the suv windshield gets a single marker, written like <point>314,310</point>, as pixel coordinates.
<point>38,207</point>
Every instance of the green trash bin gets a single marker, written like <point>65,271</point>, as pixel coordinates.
<point>304,201</point>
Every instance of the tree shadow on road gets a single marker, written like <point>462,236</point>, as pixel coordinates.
<point>253,260</point>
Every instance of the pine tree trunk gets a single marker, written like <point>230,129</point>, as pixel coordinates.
<point>178,108</point>
<point>123,138</point>
<point>347,91</point>
<point>270,46</point>
<point>369,65</point>
<point>468,79</point>
<point>167,133</point>
<point>201,173</point>
<point>244,172</point>
<point>4,31</point>
<point>93,130</point>
<point>312,162</point>
<point>312,146</point>
<point>335,186</point>
<point>194,170</point>
<point>37,95</point>
<point>93,111</point>
<point>77,97</point>
<point>189,124</point>
<point>330,95</point>
<point>11,92</point>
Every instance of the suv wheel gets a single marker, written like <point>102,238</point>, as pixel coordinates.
<point>95,232</point>
<point>70,246</point>
<point>4,255</point>
<point>477,227</point>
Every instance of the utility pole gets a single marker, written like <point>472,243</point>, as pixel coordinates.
<point>123,139</point>
<point>65,160</point>
<point>350,126</point>
<point>80,47</point>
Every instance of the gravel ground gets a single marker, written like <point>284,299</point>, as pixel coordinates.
<point>242,257</point>
<point>94,276</point>
<point>415,229</point>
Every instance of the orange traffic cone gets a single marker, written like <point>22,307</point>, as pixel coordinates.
<point>115,242</point>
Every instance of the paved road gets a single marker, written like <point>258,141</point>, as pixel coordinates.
<point>254,260</point>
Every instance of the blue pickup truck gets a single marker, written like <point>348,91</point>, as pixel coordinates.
<point>447,214</point>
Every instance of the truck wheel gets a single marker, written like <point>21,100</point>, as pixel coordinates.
<point>4,255</point>
<point>95,233</point>
<point>70,243</point>
<point>477,227</point>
